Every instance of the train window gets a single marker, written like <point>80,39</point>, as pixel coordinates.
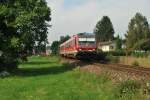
<point>87,41</point>
<point>82,42</point>
<point>91,42</point>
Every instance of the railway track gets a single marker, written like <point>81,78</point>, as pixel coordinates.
<point>141,71</point>
<point>126,68</point>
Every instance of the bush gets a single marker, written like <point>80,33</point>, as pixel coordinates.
<point>127,88</point>
<point>140,54</point>
<point>135,63</point>
<point>117,53</point>
<point>101,55</point>
<point>112,59</point>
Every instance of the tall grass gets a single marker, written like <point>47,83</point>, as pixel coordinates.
<point>145,62</point>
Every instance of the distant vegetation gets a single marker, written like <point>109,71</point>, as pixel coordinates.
<point>55,47</point>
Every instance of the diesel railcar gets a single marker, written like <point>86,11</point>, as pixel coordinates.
<point>77,43</point>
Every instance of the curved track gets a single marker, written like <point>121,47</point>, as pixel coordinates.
<point>126,68</point>
<point>118,67</point>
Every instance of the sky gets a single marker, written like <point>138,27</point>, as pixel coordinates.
<point>70,17</point>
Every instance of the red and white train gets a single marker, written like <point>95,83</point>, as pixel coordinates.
<point>79,42</point>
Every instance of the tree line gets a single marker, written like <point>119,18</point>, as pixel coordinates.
<point>136,38</point>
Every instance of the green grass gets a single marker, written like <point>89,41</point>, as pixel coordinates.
<point>45,78</point>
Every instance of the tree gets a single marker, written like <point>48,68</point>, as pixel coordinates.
<point>104,30</point>
<point>23,23</point>
<point>119,43</point>
<point>55,47</point>
<point>64,38</point>
<point>138,34</point>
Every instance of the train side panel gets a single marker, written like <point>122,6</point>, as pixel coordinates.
<point>77,43</point>
<point>69,48</point>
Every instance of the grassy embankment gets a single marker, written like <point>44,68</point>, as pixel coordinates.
<point>45,78</point>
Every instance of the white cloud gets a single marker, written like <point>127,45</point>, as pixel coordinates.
<point>83,18</point>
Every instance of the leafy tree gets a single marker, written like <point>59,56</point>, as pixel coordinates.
<point>138,34</point>
<point>143,44</point>
<point>39,49</point>
<point>104,30</point>
<point>23,23</point>
<point>55,47</point>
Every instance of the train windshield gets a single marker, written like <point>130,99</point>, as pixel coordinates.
<point>87,41</point>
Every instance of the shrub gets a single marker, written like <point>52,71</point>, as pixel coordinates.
<point>128,87</point>
<point>135,63</point>
<point>117,53</point>
<point>146,88</point>
<point>112,59</point>
<point>140,54</point>
<point>77,69</point>
<point>101,55</point>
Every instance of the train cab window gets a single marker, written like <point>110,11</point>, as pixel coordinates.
<point>87,41</point>
<point>82,42</point>
<point>91,42</point>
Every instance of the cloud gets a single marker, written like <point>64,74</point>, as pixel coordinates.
<point>74,17</point>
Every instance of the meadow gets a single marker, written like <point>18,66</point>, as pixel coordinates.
<point>46,78</point>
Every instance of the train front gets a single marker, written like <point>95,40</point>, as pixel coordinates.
<point>86,42</point>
